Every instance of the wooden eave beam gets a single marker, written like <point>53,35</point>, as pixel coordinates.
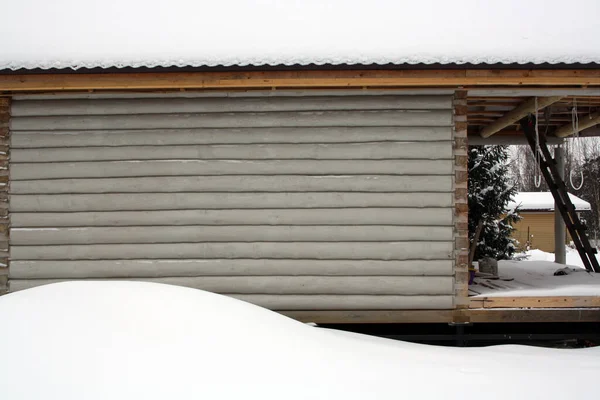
<point>14,83</point>
<point>521,111</point>
<point>584,123</point>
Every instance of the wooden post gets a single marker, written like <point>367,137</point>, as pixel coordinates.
<point>461,210</point>
<point>560,256</point>
<point>474,243</point>
<point>4,214</point>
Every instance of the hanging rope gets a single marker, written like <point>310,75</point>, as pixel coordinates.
<point>575,124</point>
<point>575,119</point>
<point>571,180</point>
<point>537,179</point>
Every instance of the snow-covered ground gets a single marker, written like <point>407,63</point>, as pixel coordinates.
<point>135,340</point>
<point>534,276</point>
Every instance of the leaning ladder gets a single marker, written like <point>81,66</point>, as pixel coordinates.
<point>561,197</point>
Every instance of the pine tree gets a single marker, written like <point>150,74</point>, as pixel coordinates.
<point>490,190</point>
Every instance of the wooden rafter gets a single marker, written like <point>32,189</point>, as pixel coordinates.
<point>521,111</point>
<point>584,123</point>
<point>49,82</point>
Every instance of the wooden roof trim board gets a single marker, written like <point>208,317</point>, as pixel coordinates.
<point>47,82</point>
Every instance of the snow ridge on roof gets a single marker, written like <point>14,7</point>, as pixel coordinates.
<point>543,201</point>
<point>185,33</point>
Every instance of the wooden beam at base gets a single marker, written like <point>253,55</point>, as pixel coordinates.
<point>521,111</point>
<point>536,302</point>
<point>14,83</point>
<point>534,315</point>
<point>584,123</point>
<point>481,315</point>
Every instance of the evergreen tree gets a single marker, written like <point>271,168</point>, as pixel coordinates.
<point>490,190</point>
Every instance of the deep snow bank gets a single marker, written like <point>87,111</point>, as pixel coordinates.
<point>134,340</point>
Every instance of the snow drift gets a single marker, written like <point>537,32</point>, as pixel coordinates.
<point>134,340</point>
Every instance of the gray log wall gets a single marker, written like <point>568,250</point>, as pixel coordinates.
<point>302,202</point>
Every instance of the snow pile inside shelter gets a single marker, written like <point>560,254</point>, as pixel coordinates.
<point>543,201</point>
<point>534,276</point>
<point>572,256</point>
<point>134,340</point>
<point>149,33</point>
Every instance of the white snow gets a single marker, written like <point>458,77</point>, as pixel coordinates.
<point>535,277</point>
<point>543,201</point>
<point>136,33</point>
<point>134,340</point>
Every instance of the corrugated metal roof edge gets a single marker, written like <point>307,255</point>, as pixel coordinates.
<point>299,67</point>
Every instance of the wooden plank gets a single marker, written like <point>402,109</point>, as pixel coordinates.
<point>538,302</point>
<point>307,285</point>
<point>320,302</point>
<point>521,111</point>
<point>534,315</point>
<point>80,269</point>
<point>113,169</point>
<point>583,123</point>
<point>159,105</point>
<point>237,120</point>
<point>210,201</point>
<point>296,216</point>
<point>165,137</point>
<point>304,250</point>
<point>337,151</point>
<point>229,233</point>
<point>371,316</point>
<point>238,183</point>
<point>356,302</point>
<point>300,79</point>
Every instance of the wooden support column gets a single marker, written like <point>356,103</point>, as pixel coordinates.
<point>560,238</point>
<point>461,210</point>
<point>4,184</point>
<point>517,114</point>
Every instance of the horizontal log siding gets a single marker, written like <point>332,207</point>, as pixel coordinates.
<point>68,269</point>
<point>292,203</point>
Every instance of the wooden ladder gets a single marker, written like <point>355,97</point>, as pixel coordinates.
<point>559,191</point>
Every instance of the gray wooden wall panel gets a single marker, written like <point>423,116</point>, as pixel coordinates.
<point>211,201</point>
<point>115,169</point>
<point>312,302</point>
<point>232,250</point>
<point>220,105</point>
<point>229,233</point>
<point>166,137</point>
<point>353,302</point>
<point>292,216</point>
<point>238,183</point>
<point>341,285</point>
<point>238,120</point>
<point>308,151</point>
<point>80,269</point>
<point>299,202</point>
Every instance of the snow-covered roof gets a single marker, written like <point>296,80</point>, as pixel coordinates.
<point>543,201</point>
<point>151,33</point>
